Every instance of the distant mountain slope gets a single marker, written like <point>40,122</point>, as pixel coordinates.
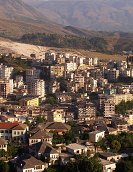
<point>18,10</point>
<point>109,15</point>
<point>18,18</point>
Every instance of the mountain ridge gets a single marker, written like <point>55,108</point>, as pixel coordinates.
<point>99,15</point>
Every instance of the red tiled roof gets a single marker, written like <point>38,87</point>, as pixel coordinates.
<point>8,125</point>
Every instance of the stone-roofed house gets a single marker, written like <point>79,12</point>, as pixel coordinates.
<point>19,132</point>
<point>13,131</point>
<point>120,124</point>
<point>108,166</point>
<point>3,144</point>
<point>41,136</point>
<point>56,115</point>
<point>95,136</point>
<point>44,149</point>
<point>28,163</point>
<point>6,129</point>
<point>110,156</point>
<point>76,149</point>
<point>57,127</point>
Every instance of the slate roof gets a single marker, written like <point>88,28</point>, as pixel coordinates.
<point>41,134</point>
<point>28,161</point>
<point>44,148</point>
<point>108,154</point>
<point>75,146</point>
<point>58,126</point>
<point>19,127</point>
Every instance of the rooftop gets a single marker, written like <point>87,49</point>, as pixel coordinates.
<point>28,161</point>
<point>108,154</point>
<point>75,146</point>
<point>8,125</point>
<point>41,134</point>
<point>20,127</point>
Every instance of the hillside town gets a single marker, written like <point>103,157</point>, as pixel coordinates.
<point>62,107</point>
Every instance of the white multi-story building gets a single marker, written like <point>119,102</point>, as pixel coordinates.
<point>18,81</point>
<point>5,71</point>
<point>37,88</point>
<point>95,136</point>
<point>91,61</point>
<point>122,97</point>
<point>71,67</point>
<point>127,72</point>
<point>13,130</point>
<point>79,61</point>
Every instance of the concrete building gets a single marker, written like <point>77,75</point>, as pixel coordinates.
<point>6,87</point>
<point>40,136</point>
<point>95,136</point>
<point>57,71</point>
<point>36,88</point>
<point>29,101</point>
<point>109,107</point>
<point>19,133</point>
<point>109,156</point>
<point>76,149</point>
<point>49,56</point>
<point>13,131</point>
<point>108,166</point>
<point>86,111</point>
<point>5,72</point>
<point>3,144</point>
<point>57,115</point>
<point>28,163</point>
<point>122,97</point>
<point>112,75</point>
<point>70,67</point>
<point>19,82</point>
<point>32,74</point>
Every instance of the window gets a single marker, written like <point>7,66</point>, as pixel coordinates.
<point>38,167</point>
<point>28,170</point>
<point>77,151</point>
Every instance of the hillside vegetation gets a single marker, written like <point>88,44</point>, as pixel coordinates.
<point>108,43</point>
<point>60,41</point>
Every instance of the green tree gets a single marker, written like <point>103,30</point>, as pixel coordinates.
<point>4,167</point>
<point>12,150</point>
<point>2,153</point>
<point>50,169</point>
<point>123,106</point>
<point>84,163</point>
<point>125,165</point>
<point>85,136</point>
<point>52,99</point>
<point>69,137</point>
<point>115,146</point>
<point>40,119</point>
